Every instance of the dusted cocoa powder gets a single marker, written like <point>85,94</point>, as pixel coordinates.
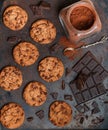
<point>82,18</point>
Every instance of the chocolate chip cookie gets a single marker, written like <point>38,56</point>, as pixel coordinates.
<point>10,78</point>
<point>51,69</point>
<point>43,31</point>
<point>15,18</point>
<point>35,94</point>
<point>12,116</point>
<point>25,53</point>
<point>60,113</point>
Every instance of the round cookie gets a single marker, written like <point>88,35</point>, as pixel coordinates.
<point>51,69</point>
<point>25,53</point>
<point>10,78</point>
<point>12,116</point>
<point>35,94</point>
<point>15,18</point>
<point>60,113</point>
<point>43,31</point>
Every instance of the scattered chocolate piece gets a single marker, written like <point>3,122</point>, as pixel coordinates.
<point>55,47</point>
<point>40,114</point>
<point>29,119</point>
<point>86,108</point>
<point>94,104</point>
<point>80,108</point>
<point>44,5</point>
<point>98,120</point>
<point>81,120</point>
<point>63,85</point>
<point>36,10</point>
<point>54,95</point>
<point>68,71</point>
<point>88,85</point>
<point>68,97</point>
<point>95,110</point>
<point>13,39</point>
<point>106,102</point>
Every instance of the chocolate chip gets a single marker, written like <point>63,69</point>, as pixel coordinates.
<point>68,97</point>
<point>54,95</point>
<point>81,120</point>
<point>95,110</point>
<point>68,71</point>
<point>29,119</point>
<point>35,9</point>
<point>13,39</point>
<point>55,47</point>
<point>40,114</point>
<point>44,5</point>
<point>63,85</point>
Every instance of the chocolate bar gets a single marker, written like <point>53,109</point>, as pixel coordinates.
<point>89,82</point>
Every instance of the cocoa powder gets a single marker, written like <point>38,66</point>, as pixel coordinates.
<point>82,18</point>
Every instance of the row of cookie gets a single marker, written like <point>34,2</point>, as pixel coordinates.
<point>41,31</point>
<point>12,115</point>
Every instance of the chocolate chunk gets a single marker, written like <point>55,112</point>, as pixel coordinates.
<point>94,92</point>
<point>80,108</point>
<point>40,114</point>
<point>13,39</point>
<point>94,104</point>
<point>29,119</point>
<point>101,89</point>
<point>77,68</point>
<point>54,95</point>
<point>54,48</point>
<point>45,5</point>
<point>90,82</point>
<point>63,85</point>
<point>95,110</point>
<point>68,97</point>
<point>86,108</point>
<point>81,120</point>
<point>106,102</point>
<point>68,71</point>
<point>36,10</point>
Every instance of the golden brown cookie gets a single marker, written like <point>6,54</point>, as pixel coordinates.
<point>35,94</point>
<point>43,31</point>
<point>60,113</point>
<point>25,53</point>
<point>10,78</point>
<point>51,69</point>
<point>12,116</point>
<point>15,18</point>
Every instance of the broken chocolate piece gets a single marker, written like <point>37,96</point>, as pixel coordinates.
<point>95,110</point>
<point>29,119</point>
<point>44,5</point>
<point>54,95</point>
<point>13,39</point>
<point>55,47</point>
<point>81,120</point>
<point>36,10</point>
<point>68,97</point>
<point>63,85</point>
<point>94,104</point>
<point>40,114</point>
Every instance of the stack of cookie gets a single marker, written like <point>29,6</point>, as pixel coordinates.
<point>26,54</point>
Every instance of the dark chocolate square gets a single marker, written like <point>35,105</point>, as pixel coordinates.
<point>92,64</point>
<point>74,88</point>
<point>97,78</point>
<point>85,71</point>
<point>101,89</point>
<point>103,75</point>
<point>79,98</point>
<point>86,58</point>
<point>94,92</point>
<point>90,82</point>
<point>77,68</point>
<point>99,69</point>
<point>86,95</point>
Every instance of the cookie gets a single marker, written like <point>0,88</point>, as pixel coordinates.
<point>51,69</point>
<point>43,31</point>
<point>15,18</point>
<point>25,54</point>
<point>10,78</point>
<point>60,113</point>
<point>12,116</point>
<point>35,94</point>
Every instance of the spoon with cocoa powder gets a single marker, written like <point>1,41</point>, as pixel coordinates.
<point>101,41</point>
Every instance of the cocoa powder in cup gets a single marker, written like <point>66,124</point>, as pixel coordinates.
<point>82,18</point>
